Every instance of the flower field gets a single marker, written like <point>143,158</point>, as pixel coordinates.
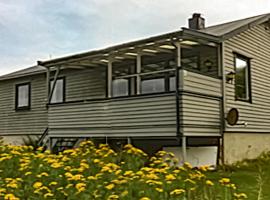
<point>91,172</point>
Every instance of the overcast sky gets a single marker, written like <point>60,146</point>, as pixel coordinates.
<point>32,30</point>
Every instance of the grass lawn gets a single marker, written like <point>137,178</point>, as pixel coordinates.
<point>251,177</point>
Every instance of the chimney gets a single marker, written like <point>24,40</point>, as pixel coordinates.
<point>196,22</point>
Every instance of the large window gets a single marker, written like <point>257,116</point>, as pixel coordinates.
<point>22,96</point>
<point>160,73</point>
<point>58,95</point>
<point>242,78</point>
<point>122,83</point>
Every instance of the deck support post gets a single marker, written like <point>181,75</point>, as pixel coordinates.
<point>184,148</point>
<point>109,79</point>
<point>129,140</point>
<point>138,71</point>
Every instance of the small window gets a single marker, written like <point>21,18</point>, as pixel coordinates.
<point>23,96</point>
<point>242,78</point>
<point>58,95</point>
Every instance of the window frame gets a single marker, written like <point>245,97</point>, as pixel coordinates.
<point>248,81</point>
<point>64,90</point>
<point>17,107</point>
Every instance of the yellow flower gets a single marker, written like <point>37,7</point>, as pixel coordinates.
<point>124,193</point>
<point>208,182</point>
<point>48,195</point>
<point>113,196</point>
<point>10,197</point>
<point>240,196</point>
<point>80,187</point>
<point>177,191</point>
<point>53,183</point>
<point>12,185</point>
<point>37,185</point>
<point>159,189</point>
<point>110,186</point>
<point>145,198</point>
<point>224,181</point>
<point>170,177</point>
<point>56,165</point>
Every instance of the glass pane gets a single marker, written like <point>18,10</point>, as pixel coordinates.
<point>58,93</point>
<point>172,84</point>
<point>23,96</point>
<point>241,84</point>
<point>120,87</point>
<point>153,85</point>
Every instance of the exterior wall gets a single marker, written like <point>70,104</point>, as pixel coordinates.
<point>201,105</point>
<point>24,122</point>
<point>255,44</point>
<point>238,146</point>
<point>85,84</point>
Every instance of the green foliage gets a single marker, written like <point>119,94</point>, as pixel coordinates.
<point>91,172</point>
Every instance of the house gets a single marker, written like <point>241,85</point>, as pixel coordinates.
<point>193,88</point>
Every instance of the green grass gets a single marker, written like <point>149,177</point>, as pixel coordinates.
<point>251,177</point>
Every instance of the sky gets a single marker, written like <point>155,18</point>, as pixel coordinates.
<point>32,30</point>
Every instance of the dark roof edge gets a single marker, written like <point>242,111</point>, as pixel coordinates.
<point>245,27</point>
<point>10,76</point>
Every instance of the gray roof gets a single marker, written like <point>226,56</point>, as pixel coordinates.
<point>24,72</point>
<point>221,30</point>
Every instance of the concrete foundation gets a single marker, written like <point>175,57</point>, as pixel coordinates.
<point>239,146</point>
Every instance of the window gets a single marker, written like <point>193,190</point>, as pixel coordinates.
<point>58,95</point>
<point>242,78</point>
<point>122,83</point>
<point>22,96</point>
<point>160,74</point>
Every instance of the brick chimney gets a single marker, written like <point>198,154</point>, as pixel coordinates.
<point>196,22</point>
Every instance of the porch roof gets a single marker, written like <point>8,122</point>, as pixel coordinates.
<point>148,46</point>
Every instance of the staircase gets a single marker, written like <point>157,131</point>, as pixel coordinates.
<point>57,144</point>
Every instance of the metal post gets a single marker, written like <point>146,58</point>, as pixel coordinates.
<point>180,83</point>
<point>138,71</point>
<point>109,78</point>
<point>184,148</point>
<point>129,140</point>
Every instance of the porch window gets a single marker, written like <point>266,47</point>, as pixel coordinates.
<point>123,84</point>
<point>158,73</point>
<point>242,78</point>
<point>58,95</point>
<point>22,96</point>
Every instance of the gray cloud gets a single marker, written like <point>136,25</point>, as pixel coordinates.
<point>31,30</point>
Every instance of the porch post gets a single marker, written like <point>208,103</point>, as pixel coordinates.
<point>180,83</point>
<point>48,83</point>
<point>109,78</point>
<point>138,71</point>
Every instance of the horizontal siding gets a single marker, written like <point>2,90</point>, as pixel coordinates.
<point>32,121</point>
<point>140,116</point>
<point>253,43</point>
<point>200,115</point>
<point>202,84</point>
<point>85,84</point>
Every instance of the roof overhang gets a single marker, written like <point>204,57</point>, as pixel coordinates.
<point>148,46</point>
